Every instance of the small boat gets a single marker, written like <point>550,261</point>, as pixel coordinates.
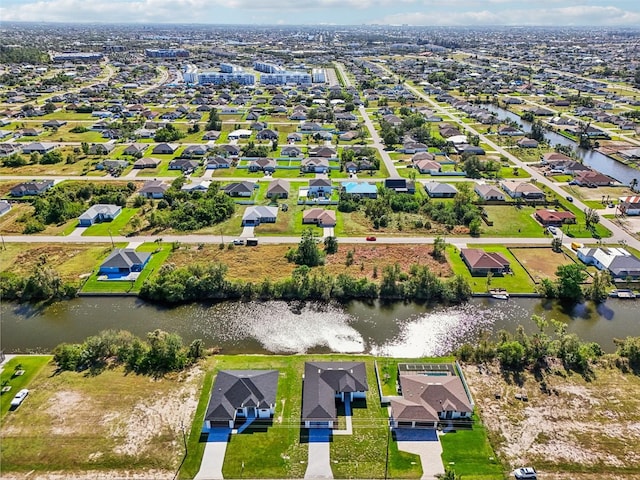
<point>499,294</point>
<point>623,293</point>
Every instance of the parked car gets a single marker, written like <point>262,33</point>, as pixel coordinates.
<point>238,241</point>
<point>525,473</point>
<point>19,398</point>
<point>371,239</point>
<point>570,198</point>
<point>552,229</point>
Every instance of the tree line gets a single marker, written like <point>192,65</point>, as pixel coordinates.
<point>160,352</point>
<point>519,351</point>
<point>176,285</point>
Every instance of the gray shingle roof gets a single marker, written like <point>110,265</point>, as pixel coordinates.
<point>235,389</point>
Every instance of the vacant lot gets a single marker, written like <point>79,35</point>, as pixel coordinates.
<point>71,260</point>
<point>79,424</point>
<point>540,262</point>
<point>268,261</point>
<point>511,221</point>
<point>579,429</point>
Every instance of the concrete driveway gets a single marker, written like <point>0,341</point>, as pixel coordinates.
<point>319,462</point>
<point>426,444</point>
<point>247,232</point>
<point>214,452</point>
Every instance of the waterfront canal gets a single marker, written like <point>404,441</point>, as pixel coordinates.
<point>398,329</point>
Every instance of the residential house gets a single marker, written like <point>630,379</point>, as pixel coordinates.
<point>510,131</point>
<point>326,382</point>
<point>38,147</point>
<point>480,262</point>
<point>198,185</point>
<point>36,187</point>
<point>291,151</point>
<point>326,152</point>
<point>617,261</point>
<point>489,192</point>
<point>4,207</point>
<point>241,395</point>
<point>54,123</point>
<point>101,148</point>
<point>591,177</point>
<point>440,190</point>
<point>211,135</point>
<point>429,398</point>
<point>294,137</point>
<point>135,149</point>
<point>216,162</point>
<point>165,149</point>
<point>400,185</point>
<point>464,149</point>
<point>183,164</point>
<point>427,166</point>
<point>267,134</point>
<point>195,151</point>
<point>30,132</point>
<point>240,133</point>
<point>111,165</point>
<point>553,218</point>
<point>231,150</point>
<point>525,190</point>
<point>98,213</point>
<point>629,205</point>
<point>146,162</point>
<point>154,189</point>
<point>263,164</point>
<point>320,187</point>
<point>239,189</point>
<point>319,217</point>
<point>360,189</point>
<point>314,165</point>
<point>124,261</point>
<point>278,188</point>
<point>257,214</point>
<point>413,147</point>
<point>527,143</point>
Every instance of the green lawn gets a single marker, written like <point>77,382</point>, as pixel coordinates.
<point>160,254</point>
<point>280,451</point>
<point>518,282</point>
<point>31,364</point>
<point>469,454</point>
<point>511,221</point>
<point>113,227</point>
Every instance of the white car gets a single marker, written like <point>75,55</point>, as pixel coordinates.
<point>238,241</point>
<point>525,473</point>
<point>552,229</point>
<point>19,398</point>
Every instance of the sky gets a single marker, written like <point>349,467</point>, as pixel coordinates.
<point>338,12</point>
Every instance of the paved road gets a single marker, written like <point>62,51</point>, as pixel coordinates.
<point>377,143</point>
<point>216,239</point>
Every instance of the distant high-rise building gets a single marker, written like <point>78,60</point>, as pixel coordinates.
<point>318,75</point>
<point>282,78</point>
<point>190,74</point>
<point>77,57</point>
<point>230,68</point>
<point>267,67</point>
<point>166,52</point>
<point>222,78</point>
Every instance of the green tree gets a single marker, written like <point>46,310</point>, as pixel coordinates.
<point>439,248</point>
<point>598,290</point>
<point>511,355</point>
<point>591,218</point>
<point>556,244</point>
<point>570,277</point>
<point>330,245</point>
<point>308,252</point>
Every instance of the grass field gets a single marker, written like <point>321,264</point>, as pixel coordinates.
<point>70,260</point>
<point>31,364</point>
<point>518,282</point>
<point>511,221</point>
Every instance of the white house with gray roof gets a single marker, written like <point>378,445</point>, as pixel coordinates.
<point>99,213</point>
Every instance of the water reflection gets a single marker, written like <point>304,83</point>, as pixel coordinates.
<point>399,329</point>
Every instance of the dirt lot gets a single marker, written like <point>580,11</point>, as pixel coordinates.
<point>578,430</point>
<point>540,262</point>
<point>107,426</point>
<point>267,261</point>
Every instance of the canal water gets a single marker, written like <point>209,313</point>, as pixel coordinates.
<point>396,329</point>
<point>591,158</point>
